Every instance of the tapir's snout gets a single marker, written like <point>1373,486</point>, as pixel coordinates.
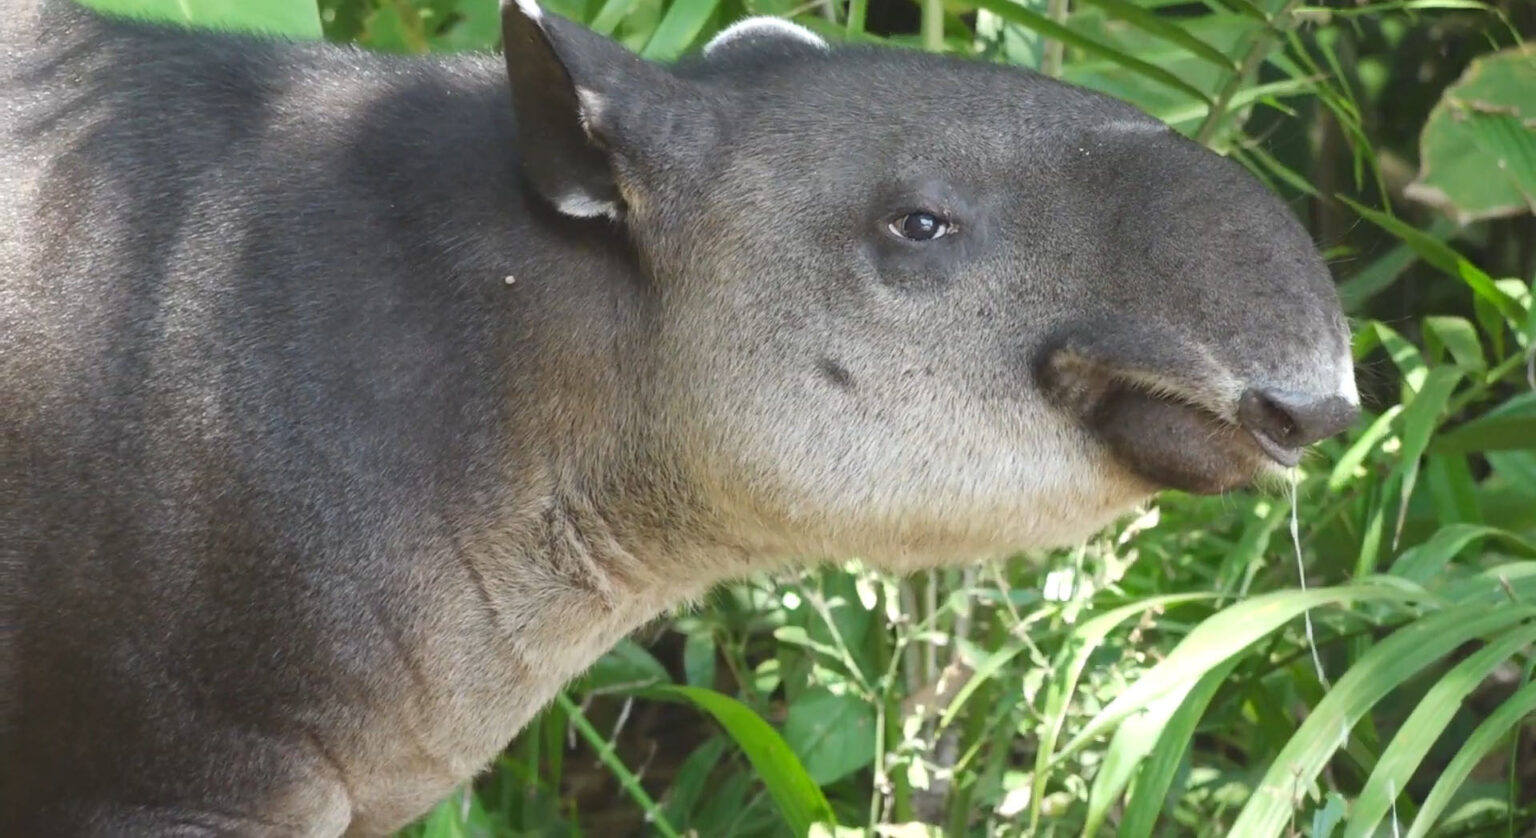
<point>1177,417</point>
<point>1283,422</point>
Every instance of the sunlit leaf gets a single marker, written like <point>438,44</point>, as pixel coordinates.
<point>797,796</point>
<point>679,27</point>
<point>1009,10</point>
<point>291,18</point>
<point>1387,664</point>
<point>1078,646</point>
<point>1423,726</point>
<point>1478,147</point>
<point>1218,638</point>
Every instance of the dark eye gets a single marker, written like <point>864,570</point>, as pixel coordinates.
<point>921,226</point>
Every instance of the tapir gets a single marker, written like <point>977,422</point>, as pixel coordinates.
<point>352,404</point>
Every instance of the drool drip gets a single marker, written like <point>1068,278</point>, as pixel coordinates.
<point>1301,573</point>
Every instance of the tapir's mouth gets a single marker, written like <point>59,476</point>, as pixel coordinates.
<point>1169,431</point>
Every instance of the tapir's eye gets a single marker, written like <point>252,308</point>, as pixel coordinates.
<point>921,226</point>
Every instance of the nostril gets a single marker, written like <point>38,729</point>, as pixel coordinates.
<point>1294,419</point>
<point>1258,411</point>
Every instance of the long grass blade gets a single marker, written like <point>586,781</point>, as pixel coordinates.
<point>1008,10</point>
<point>1513,711</point>
<point>1440,255</point>
<point>1075,652</point>
<point>1165,29</point>
<point>682,23</point>
<point>1385,667</point>
<point>1217,639</point>
<point>1419,731</point>
<point>798,797</point>
<point>1160,766</point>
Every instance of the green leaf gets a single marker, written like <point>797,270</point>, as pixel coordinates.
<point>1452,489</point>
<point>985,672</point>
<point>1386,666</point>
<point>1011,11</point>
<point>1132,741</point>
<point>478,27</point>
<point>395,27</point>
<point>1165,29</point>
<point>611,15</point>
<point>1422,727</point>
<point>1478,147</point>
<point>625,667</point>
<point>1326,819</point>
<point>833,734</point>
<point>1248,8</point>
<point>1217,639</point>
<point>1251,547</point>
<point>1442,256</point>
<point>453,819</point>
<point>679,27</point>
<point>723,806</point>
<point>1498,433</point>
<point>1191,111</point>
<point>1420,418</point>
<point>1426,560</point>
<point>1409,361</point>
<point>1495,586</point>
<point>299,19</point>
<point>1509,427</point>
<point>1458,336</point>
<point>797,796</point>
<point>798,636</point>
<point>699,659</point>
<point>1384,271</point>
<point>1074,657</point>
<point>1396,6</point>
<point>688,784</point>
<point>1513,711</point>
<point>1160,766</point>
<point>1344,468</point>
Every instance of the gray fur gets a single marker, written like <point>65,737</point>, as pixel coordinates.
<point>305,508</point>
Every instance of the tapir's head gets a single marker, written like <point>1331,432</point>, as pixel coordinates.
<point>919,308</point>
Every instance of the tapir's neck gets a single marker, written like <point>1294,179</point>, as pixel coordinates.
<point>553,527</point>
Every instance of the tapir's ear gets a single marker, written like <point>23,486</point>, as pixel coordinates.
<point>593,118</point>
<point>764,37</point>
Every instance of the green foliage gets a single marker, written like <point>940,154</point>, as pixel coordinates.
<point>1491,113</point>
<point>1158,679</point>
<point>290,18</point>
<point>794,788</point>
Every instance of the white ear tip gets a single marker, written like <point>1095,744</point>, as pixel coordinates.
<point>529,8</point>
<point>763,26</point>
<point>578,205</point>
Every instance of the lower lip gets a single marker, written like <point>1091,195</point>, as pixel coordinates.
<point>1287,457</point>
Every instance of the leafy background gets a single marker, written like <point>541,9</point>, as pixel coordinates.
<point>1159,679</point>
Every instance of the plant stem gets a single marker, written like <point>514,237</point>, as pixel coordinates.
<point>1279,23</point>
<point>1055,52</point>
<point>626,778</point>
<point>933,25</point>
<point>857,11</point>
